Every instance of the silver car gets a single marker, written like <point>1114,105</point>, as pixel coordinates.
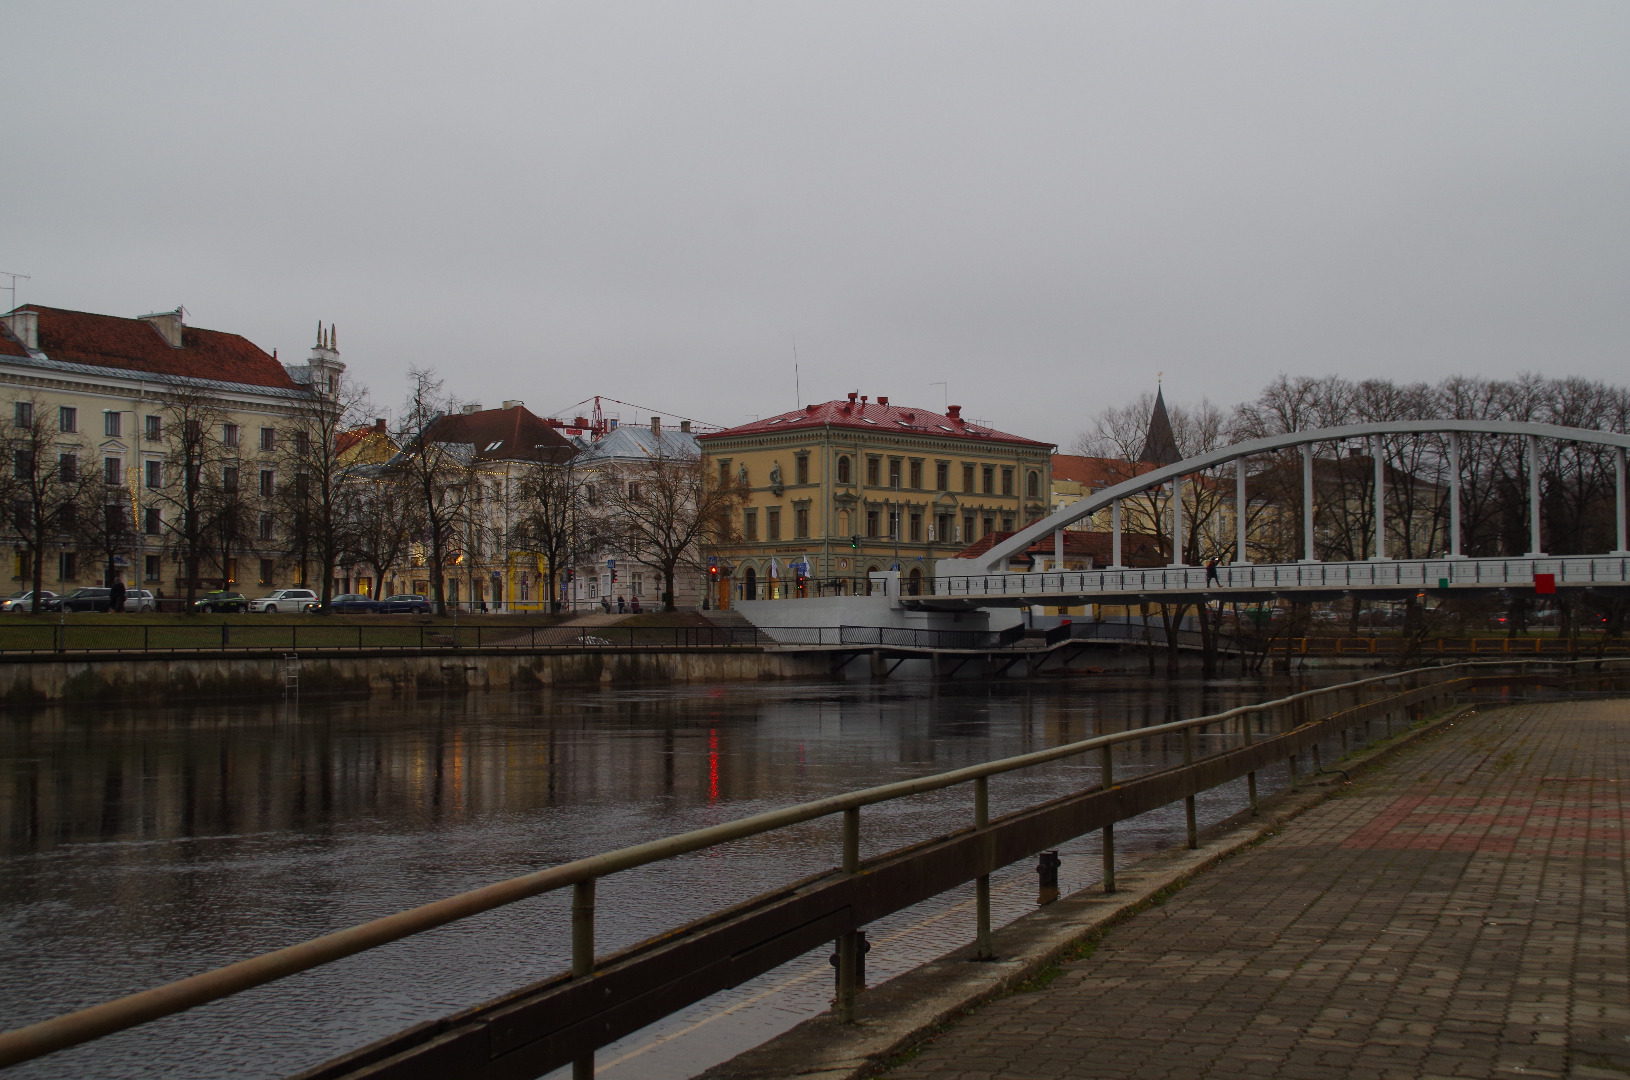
<point>285,600</point>
<point>21,603</point>
<point>140,600</point>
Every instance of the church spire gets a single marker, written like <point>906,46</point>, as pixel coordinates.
<point>1159,444</point>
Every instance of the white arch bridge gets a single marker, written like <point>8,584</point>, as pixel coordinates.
<point>981,582</point>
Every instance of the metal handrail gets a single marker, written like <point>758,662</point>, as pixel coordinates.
<point>84,1025</point>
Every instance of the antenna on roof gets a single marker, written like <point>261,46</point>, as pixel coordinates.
<point>946,390</point>
<point>797,388</point>
<point>13,286</point>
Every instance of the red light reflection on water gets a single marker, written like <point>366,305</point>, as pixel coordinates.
<point>712,766</point>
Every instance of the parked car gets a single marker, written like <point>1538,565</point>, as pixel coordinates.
<point>91,598</point>
<point>355,603</point>
<point>412,603</point>
<point>139,600</point>
<point>21,603</point>
<point>285,600</point>
<point>221,600</point>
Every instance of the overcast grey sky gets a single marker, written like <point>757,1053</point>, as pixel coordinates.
<point>1041,204</point>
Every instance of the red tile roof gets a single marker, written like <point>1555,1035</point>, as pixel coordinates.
<point>875,416</point>
<point>511,434</point>
<point>135,345</point>
<point>1137,549</point>
<point>1096,472</point>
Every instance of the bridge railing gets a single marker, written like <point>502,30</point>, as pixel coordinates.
<point>1388,573</point>
<point>607,996</point>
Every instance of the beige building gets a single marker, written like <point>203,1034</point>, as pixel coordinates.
<point>104,383</point>
<point>835,491</point>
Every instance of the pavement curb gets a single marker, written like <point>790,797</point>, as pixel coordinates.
<point>898,1015</point>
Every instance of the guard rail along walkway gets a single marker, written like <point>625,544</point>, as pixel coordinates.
<point>565,1019</point>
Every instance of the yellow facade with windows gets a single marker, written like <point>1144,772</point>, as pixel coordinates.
<point>834,492</point>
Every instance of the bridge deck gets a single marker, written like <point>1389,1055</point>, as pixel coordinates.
<point>1311,580</point>
<point>1460,913</point>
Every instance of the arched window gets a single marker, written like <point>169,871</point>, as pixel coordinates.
<point>1033,485</point>
<point>843,469</point>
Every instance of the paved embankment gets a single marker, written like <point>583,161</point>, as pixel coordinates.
<point>1461,912</point>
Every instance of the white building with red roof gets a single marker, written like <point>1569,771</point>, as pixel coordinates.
<point>841,489</point>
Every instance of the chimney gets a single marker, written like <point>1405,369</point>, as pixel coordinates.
<point>513,404</point>
<point>852,396</point>
<point>684,427</point>
<point>882,400</point>
<point>954,411</point>
<point>168,324</point>
<point>379,427</point>
<point>25,327</point>
<point>472,407</point>
<point>656,425</point>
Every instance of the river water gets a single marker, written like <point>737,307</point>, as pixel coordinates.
<point>142,845</point>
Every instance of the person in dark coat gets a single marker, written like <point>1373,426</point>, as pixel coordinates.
<point>1211,571</point>
<point>116,596</point>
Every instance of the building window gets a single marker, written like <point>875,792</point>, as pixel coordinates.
<point>24,565</point>
<point>749,524</point>
<point>967,530</point>
<point>843,469</point>
<point>67,566</point>
<point>110,424</point>
<point>967,479</point>
<point>1007,481</point>
<point>302,443</point>
<point>152,521</point>
<point>894,523</point>
<point>229,479</point>
<point>724,474</point>
<point>1007,523</point>
<point>987,476</point>
<point>113,469</point>
<point>155,474</point>
<point>633,491</point>
<point>151,568</point>
<point>268,440</point>
<point>155,428</point>
<point>801,469</point>
<point>1032,485</point>
<point>874,468</point>
<point>772,523</point>
<point>636,584</point>
<point>268,569</point>
<point>990,525</point>
<point>894,473</point>
<point>916,528</point>
<point>268,483</point>
<point>843,523</point>
<point>68,465</point>
<point>68,419</point>
<point>800,522</point>
<point>21,515</point>
<point>916,475</point>
<point>22,464</point>
<point>942,476</point>
<point>942,528</point>
<point>268,530</point>
<point>229,434</point>
<point>871,523</point>
<point>24,416</point>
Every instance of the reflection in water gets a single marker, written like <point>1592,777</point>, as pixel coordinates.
<point>142,845</point>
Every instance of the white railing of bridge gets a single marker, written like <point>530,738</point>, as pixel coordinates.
<point>1572,572</point>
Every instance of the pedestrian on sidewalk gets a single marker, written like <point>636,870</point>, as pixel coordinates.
<point>634,605</point>
<point>116,595</point>
<point>605,602</point>
<point>1211,572</point>
<point>622,607</point>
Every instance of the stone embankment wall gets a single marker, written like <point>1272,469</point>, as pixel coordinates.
<point>169,676</point>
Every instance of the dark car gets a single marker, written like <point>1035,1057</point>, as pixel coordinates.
<point>94,598</point>
<point>411,603</point>
<point>221,600</point>
<point>355,603</point>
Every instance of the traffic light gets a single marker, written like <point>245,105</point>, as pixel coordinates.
<point>854,541</point>
<point>713,573</point>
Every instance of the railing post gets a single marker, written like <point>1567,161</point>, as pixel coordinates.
<point>1106,770</point>
<point>1250,777</point>
<point>1188,803</point>
<point>849,942</point>
<point>981,885</point>
<point>583,957</point>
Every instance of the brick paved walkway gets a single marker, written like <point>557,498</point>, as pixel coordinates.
<point>1462,912</point>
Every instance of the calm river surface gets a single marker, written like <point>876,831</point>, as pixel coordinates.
<point>142,845</point>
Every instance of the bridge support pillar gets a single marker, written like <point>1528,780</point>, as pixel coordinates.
<point>880,668</point>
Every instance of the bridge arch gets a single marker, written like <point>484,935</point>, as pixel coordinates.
<point>1110,497</point>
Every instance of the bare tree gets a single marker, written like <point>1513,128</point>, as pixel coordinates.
<point>105,525</point>
<point>47,485</point>
<point>196,487</point>
<point>550,520</point>
<point>384,517</point>
<point>436,473</point>
<point>665,509</point>
<point>311,457</point>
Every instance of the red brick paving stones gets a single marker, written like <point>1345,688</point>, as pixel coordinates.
<point>1459,913</point>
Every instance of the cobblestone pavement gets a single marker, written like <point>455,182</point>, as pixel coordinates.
<point>1461,912</point>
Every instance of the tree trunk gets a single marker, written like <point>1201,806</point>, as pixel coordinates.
<point>668,587</point>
